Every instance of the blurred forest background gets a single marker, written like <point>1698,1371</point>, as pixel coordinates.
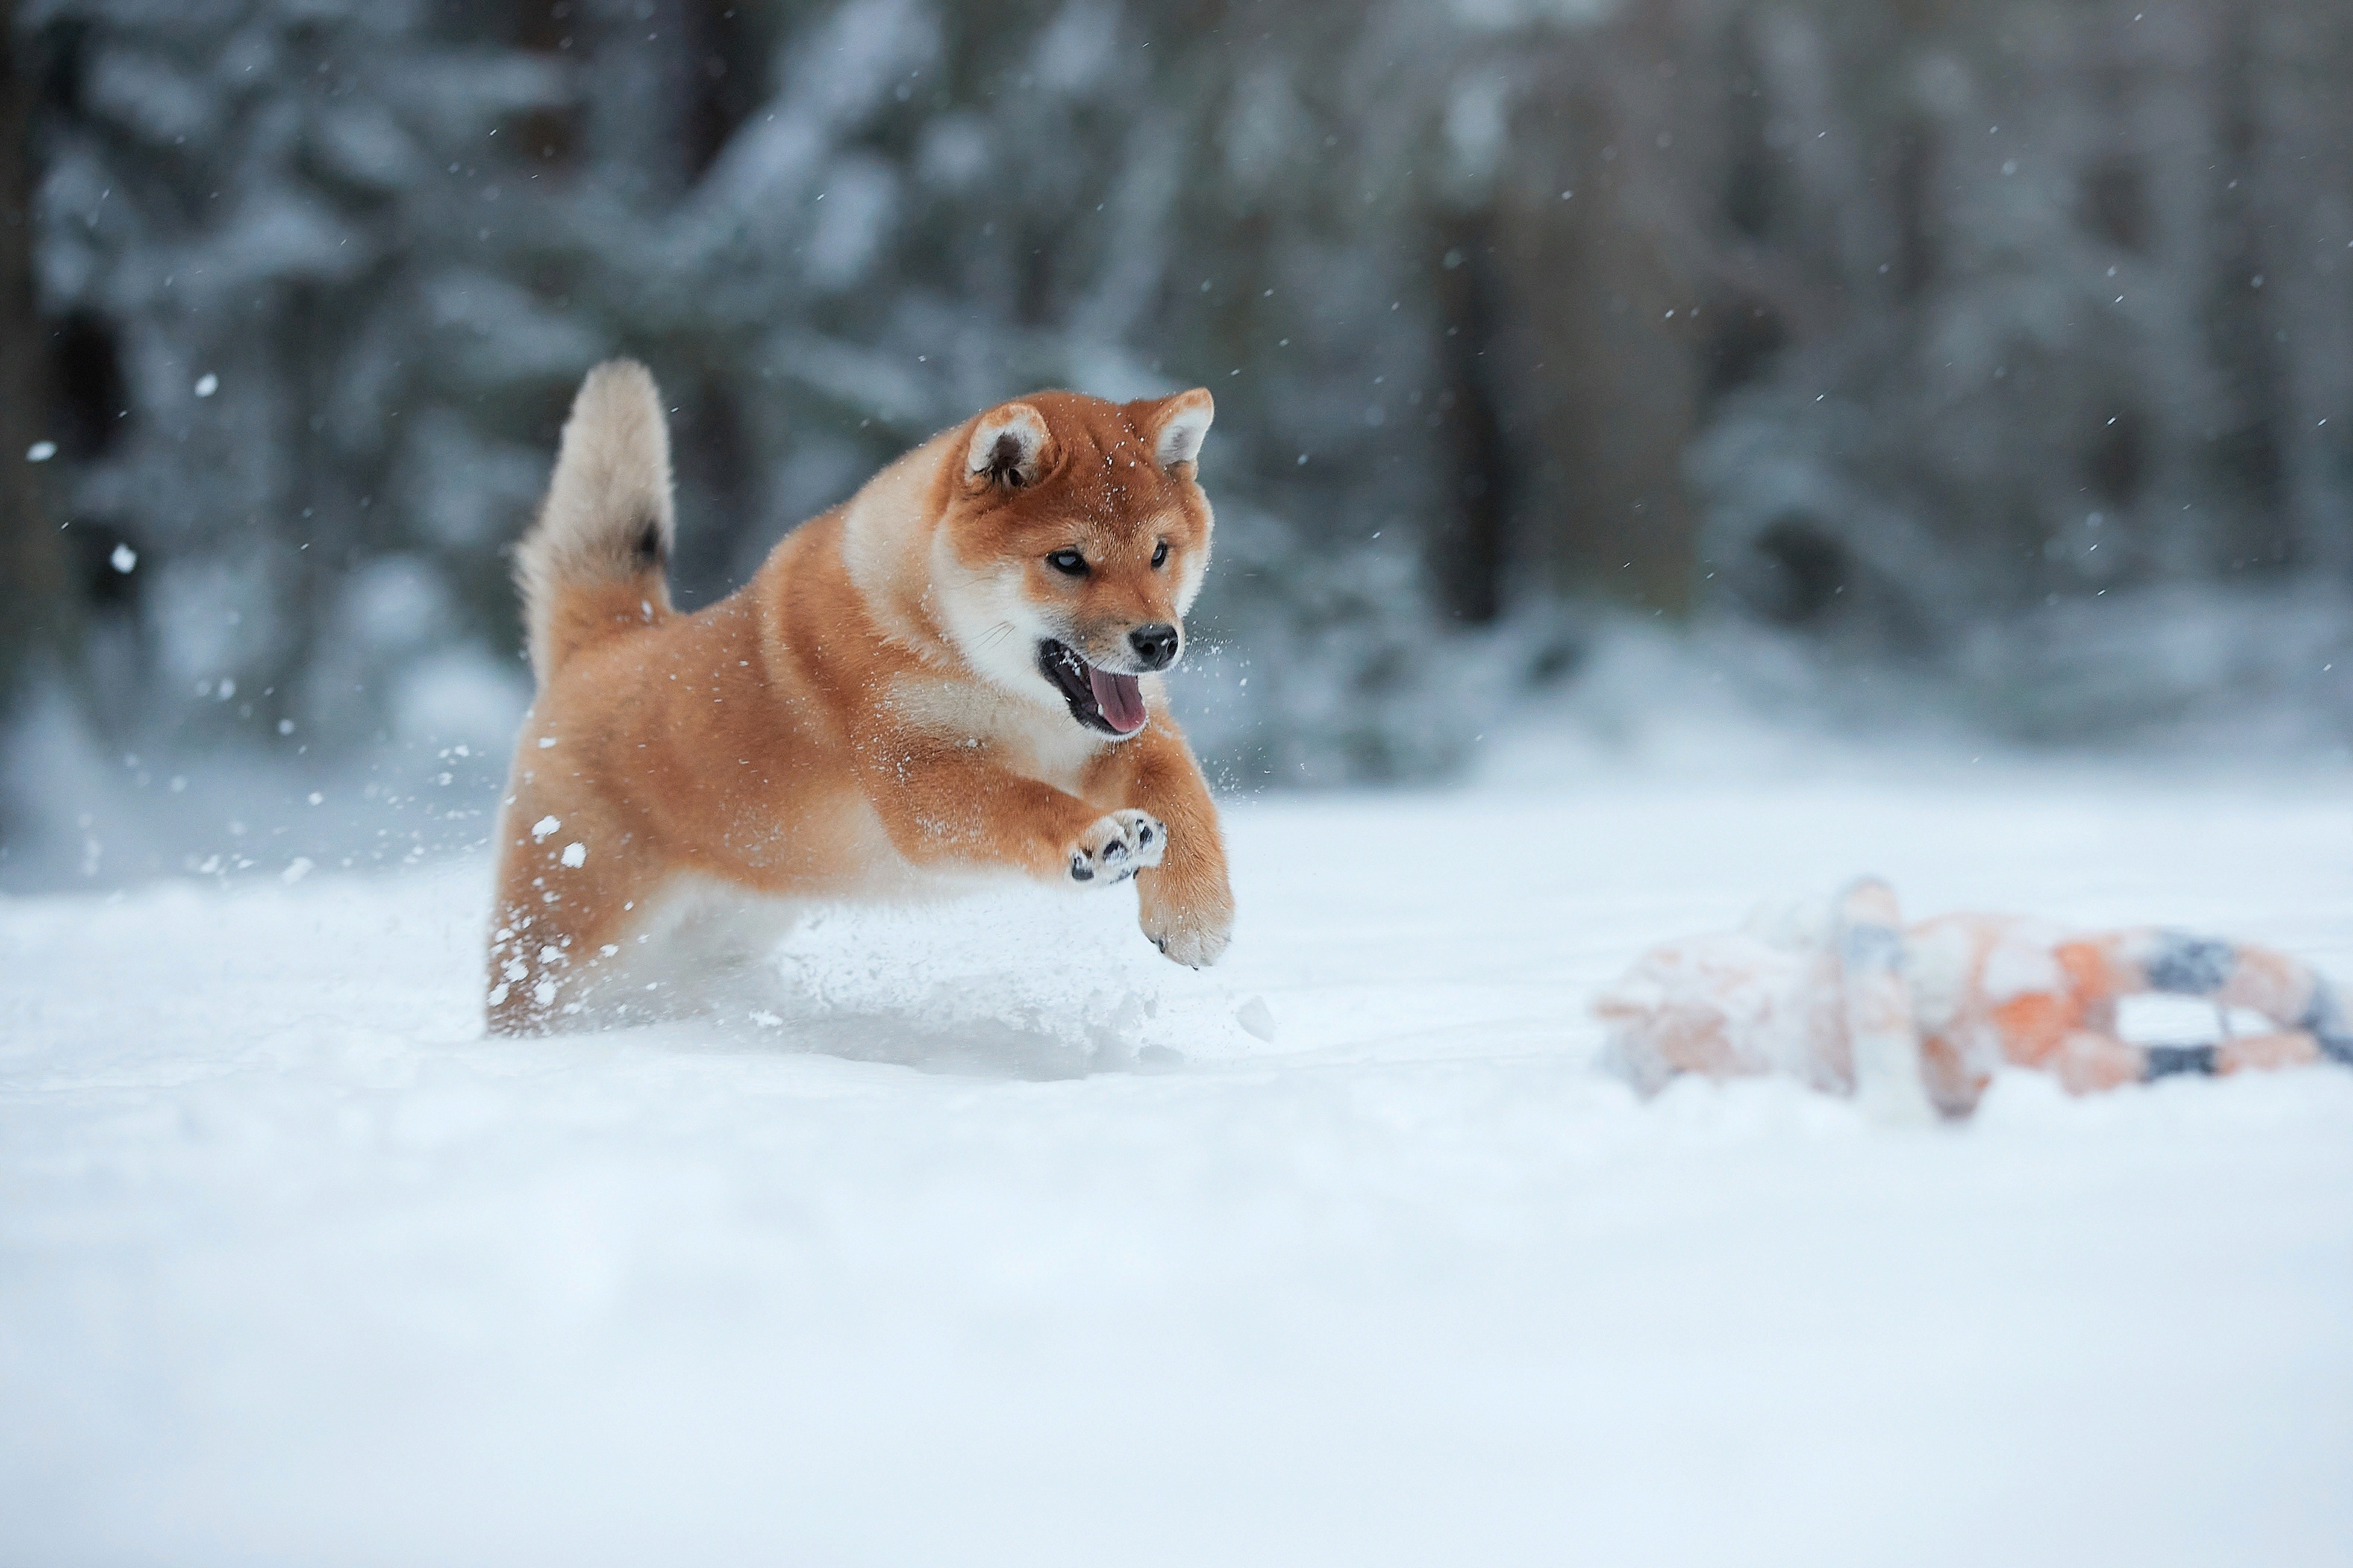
<point>2000,347</point>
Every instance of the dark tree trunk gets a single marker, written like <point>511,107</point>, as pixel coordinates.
<point>1469,547</point>
<point>36,590</point>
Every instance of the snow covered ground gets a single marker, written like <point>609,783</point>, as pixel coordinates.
<point>996,1239</point>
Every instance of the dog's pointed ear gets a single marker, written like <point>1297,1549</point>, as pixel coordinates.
<point>1179,425</point>
<point>1009,446</point>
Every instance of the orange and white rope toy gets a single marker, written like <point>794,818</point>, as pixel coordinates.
<point>1911,1017</point>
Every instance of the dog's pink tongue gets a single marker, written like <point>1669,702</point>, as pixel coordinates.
<point>1119,696</point>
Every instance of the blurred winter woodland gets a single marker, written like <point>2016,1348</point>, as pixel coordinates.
<point>2001,344</point>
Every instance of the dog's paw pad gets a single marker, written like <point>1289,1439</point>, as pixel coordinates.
<point>1117,847</point>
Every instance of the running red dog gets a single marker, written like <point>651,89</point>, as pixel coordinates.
<point>956,671</point>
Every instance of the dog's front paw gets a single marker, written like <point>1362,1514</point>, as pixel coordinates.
<point>1192,931</point>
<point>1116,848</point>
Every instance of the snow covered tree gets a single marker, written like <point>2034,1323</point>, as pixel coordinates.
<point>1890,325</point>
<point>269,255</point>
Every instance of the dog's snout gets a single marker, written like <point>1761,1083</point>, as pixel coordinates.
<point>1155,644</point>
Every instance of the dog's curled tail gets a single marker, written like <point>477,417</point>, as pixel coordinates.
<point>596,558</point>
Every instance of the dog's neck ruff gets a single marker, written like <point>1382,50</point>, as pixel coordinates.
<point>886,531</point>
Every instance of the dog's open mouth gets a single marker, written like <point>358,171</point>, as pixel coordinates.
<point>1098,698</point>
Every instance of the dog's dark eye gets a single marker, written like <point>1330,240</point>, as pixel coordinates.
<point>1069,562</point>
<point>1160,555</point>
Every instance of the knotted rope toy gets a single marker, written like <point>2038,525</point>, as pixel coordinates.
<point>1916,1018</point>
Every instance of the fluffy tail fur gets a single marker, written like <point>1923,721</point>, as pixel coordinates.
<point>597,556</point>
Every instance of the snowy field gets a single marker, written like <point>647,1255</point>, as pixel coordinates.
<point>998,1239</point>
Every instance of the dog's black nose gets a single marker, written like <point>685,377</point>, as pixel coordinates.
<point>1155,644</point>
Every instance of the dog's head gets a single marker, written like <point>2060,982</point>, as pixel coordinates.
<point>1073,542</point>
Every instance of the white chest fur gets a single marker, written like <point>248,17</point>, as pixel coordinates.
<point>1023,737</point>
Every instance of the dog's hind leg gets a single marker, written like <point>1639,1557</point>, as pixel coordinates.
<point>558,926</point>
